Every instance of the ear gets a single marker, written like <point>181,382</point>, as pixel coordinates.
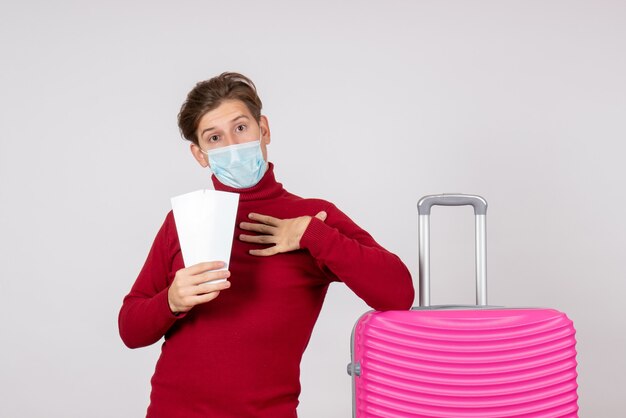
<point>200,157</point>
<point>265,130</point>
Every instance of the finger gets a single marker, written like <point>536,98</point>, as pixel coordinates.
<point>321,216</point>
<point>209,276</point>
<point>268,220</point>
<point>255,227</point>
<point>200,299</point>
<point>265,252</point>
<point>204,288</point>
<point>258,239</point>
<point>205,266</point>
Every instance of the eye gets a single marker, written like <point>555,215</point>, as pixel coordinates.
<point>213,138</point>
<point>241,128</point>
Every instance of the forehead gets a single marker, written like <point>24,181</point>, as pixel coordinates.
<point>223,115</point>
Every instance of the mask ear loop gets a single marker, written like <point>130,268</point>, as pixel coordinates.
<point>206,153</point>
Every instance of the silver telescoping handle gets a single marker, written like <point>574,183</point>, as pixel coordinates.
<point>480,211</point>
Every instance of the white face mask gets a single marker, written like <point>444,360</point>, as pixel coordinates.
<point>240,165</point>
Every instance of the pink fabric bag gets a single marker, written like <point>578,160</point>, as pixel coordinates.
<point>460,362</point>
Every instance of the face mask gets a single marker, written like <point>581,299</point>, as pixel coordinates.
<point>240,165</point>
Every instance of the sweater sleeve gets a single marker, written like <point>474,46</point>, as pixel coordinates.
<point>374,274</point>
<point>145,315</point>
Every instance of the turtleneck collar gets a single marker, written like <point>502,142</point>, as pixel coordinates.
<point>266,188</point>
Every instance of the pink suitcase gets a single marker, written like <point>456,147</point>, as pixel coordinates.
<point>459,362</point>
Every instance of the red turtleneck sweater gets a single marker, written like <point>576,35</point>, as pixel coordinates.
<point>238,356</point>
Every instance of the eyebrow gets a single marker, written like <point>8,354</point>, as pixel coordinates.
<point>234,120</point>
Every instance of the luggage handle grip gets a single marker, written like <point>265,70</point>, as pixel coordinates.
<point>449,199</point>
<point>480,211</point>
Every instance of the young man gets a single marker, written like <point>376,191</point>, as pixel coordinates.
<point>233,349</point>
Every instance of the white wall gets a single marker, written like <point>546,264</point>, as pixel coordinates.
<point>371,104</point>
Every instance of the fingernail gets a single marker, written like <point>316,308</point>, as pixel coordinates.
<point>250,215</point>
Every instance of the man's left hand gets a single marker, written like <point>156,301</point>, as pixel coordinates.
<point>285,234</point>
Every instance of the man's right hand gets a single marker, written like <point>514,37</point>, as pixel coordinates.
<point>190,287</point>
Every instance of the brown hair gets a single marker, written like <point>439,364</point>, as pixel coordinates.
<point>209,94</point>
